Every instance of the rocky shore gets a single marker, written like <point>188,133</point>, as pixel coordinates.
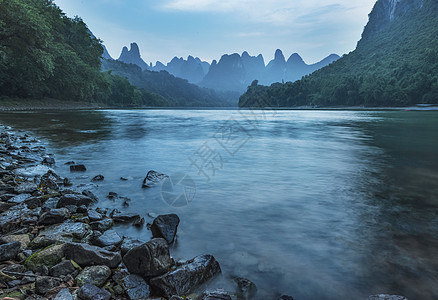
<point>55,243</point>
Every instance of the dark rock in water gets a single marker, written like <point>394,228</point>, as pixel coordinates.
<point>129,243</point>
<point>63,268</point>
<point>218,294</point>
<point>285,297</point>
<point>78,168</point>
<point>92,292</point>
<point>139,223</point>
<point>124,217</point>
<point>43,284</point>
<point>150,259</point>
<point>48,161</point>
<point>246,289</point>
<point>98,178</point>
<point>96,275</point>
<point>67,182</point>
<point>136,287</point>
<point>94,215</point>
<point>153,178</point>
<point>54,216</point>
<point>165,226</point>
<point>102,225</point>
<point>87,255</point>
<point>108,238</point>
<point>112,195</point>
<point>387,297</point>
<point>9,251</point>
<point>123,178</point>
<point>187,277</point>
<point>64,232</point>
<point>63,294</point>
<point>70,163</point>
<point>74,199</point>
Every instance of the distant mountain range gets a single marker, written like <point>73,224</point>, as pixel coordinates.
<point>233,72</point>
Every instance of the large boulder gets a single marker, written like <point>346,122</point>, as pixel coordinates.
<point>150,259</point>
<point>165,226</point>
<point>64,232</point>
<point>54,216</point>
<point>48,257</point>
<point>187,277</point>
<point>74,199</point>
<point>87,255</point>
<point>96,275</point>
<point>92,292</point>
<point>153,178</point>
<point>9,251</point>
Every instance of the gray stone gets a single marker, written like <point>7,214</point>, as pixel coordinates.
<point>9,251</point>
<point>218,294</point>
<point>187,277</point>
<point>63,294</point>
<point>43,284</point>
<point>150,259</point>
<point>102,225</point>
<point>54,216</point>
<point>94,215</point>
<point>64,268</point>
<point>17,216</point>
<point>22,238</point>
<point>386,297</point>
<point>108,238</point>
<point>78,168</point>
<point>136,287</point>
<point>124,217</point>
<point>74,199</point>
<point>129,243</point>
<point>92,292</point>
<point>165,226</point>
<point>47,257</point>
<point>87,255</point>
<point>96,275</point>
<point>65,232</point>
<point>20,198</point>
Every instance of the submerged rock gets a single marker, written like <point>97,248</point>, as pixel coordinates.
<point>98,178</point>
<point>87,255</point>
<point>92,292</point>
<point>96,275</point>
<point>77,168</point>
<point>187,277</point>
<point>150,259</point>
<point>153,178</point>
<point>165,226</point>
<point>246,289</point>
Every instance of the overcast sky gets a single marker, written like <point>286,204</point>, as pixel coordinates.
<point>210,28</point>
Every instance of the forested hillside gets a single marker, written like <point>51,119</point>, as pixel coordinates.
<point>395,63</point>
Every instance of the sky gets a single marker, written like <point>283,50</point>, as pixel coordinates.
<point>208,29</point>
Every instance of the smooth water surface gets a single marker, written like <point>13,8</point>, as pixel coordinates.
<point>314,204</point>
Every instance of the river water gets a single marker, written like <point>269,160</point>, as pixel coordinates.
<point>314,204</point>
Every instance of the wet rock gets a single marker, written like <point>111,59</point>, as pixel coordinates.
<point>5,206</point>
<point>78,168</point>
<point>63,294</point>
<point>150,259</point>
<point>165,226</point>
<point>23,239</point>
<point>48,161</point>
<point>74,199</point>
<point>67,182</point>
<point>98,178</point>
<point>136,287</point>
<point>102,225</point>
<point>90,194</point>
<point>96,275</point>
<point>64,232</point>
<point>108,238</point>
<point>9,251</point>
<point>48,182</point>
<point>153,178</point>
<point>94,215</point>
<point>386,297</point>
<point>129,243</point>
<point>246,289</point>
<point>49,204</point>
<point>92,292</point>
<point>54,216</point>
<point>124,217</point>
<point>123,178</point>
<point>17,216</point>
<point>48,257</point>
<point>285,297</point>
<point>63,268</point>
<point>187,277</point>
<point>112,195</point>
<point>26,187</point>
<point>43,284</point>
<point>19,198</point>
<point>87,255</point>
<point>33,202</point>
<point>218,294</point>
<point>70,163</point>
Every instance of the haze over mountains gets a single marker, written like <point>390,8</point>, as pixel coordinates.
<point>233,72</point>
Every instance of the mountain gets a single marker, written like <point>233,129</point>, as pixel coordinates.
<point>192,69</point>
<point>395,63</point>
<point>132,56</point>
<point>106,54</point>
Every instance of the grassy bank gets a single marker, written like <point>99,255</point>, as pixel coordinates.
<point>8,104</point>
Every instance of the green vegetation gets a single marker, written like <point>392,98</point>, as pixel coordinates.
<point>396,66</point>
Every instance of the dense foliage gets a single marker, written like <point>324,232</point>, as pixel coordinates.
<point>396,66</point>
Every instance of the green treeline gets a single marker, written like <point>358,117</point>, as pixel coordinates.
<point>396,66</point>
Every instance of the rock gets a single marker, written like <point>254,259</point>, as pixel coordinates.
<point>63,294</point>
<point>48,257</point>
<point>150,259</point>
<point>48,161</point>
<point>125,217</point>
<point>74,199</point>
<point>70,163</point>
<point>187,277</point>
<point>26,187</point>
<point>5,206</point>
<point>102,225</point>
<point>92,292</point>
<point>50,203</point>
<point>87,255</point>
<point>246,289</point>
<point>129,243</point>
<point>17,216</point>
<point>386,297</point>
<point>218,294</point>
<point>285,297</point>
<point>48,182</point>
<point>33,202</point>
<point>9,251</point>
<point>64,232</point>
<point>19,198</point>
<point>136,287</point>
<point>98,178</point>
<point>63,268</point>
<point>43,284</point>
<point>78,168</point>
<point>66,182</point>
<point>108,238</point>
<point>94,215</point>
<point>23,239</point>
<point>54,216</point>
<point>153,178</point>
<point>165,226</point>
<point>123,178</point>
<point>96,275</point>
<point>90,194</point>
